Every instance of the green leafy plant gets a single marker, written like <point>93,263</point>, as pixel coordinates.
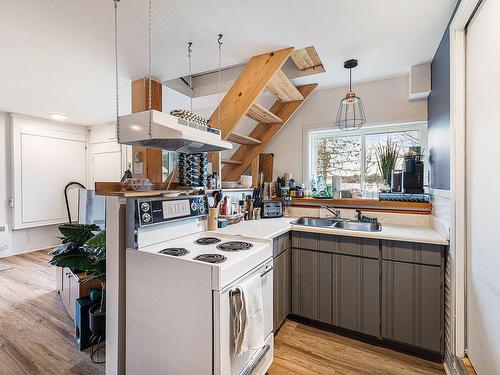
<point>83,250</point>
<point>71,253</point>
<point>95,248</point>
<point>387,155</point>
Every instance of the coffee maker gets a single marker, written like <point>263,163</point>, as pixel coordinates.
<point>410,180</point>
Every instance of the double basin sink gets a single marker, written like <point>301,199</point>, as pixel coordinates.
<point>338,224</point>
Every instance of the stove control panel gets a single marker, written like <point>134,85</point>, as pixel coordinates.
<point>159,210</point>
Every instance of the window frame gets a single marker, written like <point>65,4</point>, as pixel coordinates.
<point>312,135</point>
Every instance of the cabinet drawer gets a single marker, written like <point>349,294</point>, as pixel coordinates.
<point>314,241</point>
<point>412,252</point>
<point>362,247</point>
<point>280,244</point>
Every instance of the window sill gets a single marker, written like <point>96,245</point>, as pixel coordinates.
<point>366,205</point>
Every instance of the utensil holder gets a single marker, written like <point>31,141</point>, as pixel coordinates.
<point>213,215</point>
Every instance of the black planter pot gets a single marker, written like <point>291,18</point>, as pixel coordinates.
<point>97,322</point>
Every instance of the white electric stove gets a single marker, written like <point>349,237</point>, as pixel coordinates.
<point>179,282</point>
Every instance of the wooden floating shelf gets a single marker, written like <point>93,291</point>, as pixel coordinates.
<point>230,162</point>
<point>283,89</point>
<point>262,115</point>
<point>243,139</point>
<point>307,59</point>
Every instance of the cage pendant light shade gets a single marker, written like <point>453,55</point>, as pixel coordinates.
<point>351,115</point>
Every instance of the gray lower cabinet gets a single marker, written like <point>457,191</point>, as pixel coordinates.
<point>282,294</point>
<point>411,300</point>
<point>356,294</point>
<point>312,284</point>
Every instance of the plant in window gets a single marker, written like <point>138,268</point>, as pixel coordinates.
<point>387,154</point>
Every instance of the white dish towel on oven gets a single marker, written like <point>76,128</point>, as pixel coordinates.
<point>248,325</point>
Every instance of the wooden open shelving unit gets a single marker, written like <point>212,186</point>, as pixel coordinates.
<point>230,162</point>
<point>262,73</point>
<point>283,89</point>
<point>307,59</point>
<point>243,139</point>
<point>260,114</point>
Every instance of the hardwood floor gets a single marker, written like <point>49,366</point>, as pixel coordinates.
<point>300,349</point>
<point>36,336</point>
<point>36,333</point>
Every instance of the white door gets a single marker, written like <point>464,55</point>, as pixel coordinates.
<point>106,162</point>
<point>483,188</point>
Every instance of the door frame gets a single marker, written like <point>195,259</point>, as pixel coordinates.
<point>458,248</point>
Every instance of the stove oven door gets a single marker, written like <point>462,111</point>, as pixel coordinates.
<point>254,362</point>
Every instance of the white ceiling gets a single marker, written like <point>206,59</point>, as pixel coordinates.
<point>57,55</point>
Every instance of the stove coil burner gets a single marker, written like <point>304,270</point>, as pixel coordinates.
<point>175,251</point>
<point>207,241</point>
<point>234,246</point>
<point>211,258</point>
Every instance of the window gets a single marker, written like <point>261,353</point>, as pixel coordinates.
<point>168,163</point>
<point>353,155</point>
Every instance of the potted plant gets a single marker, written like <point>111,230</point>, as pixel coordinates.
<point>71,253</point>
<point>83,250</point>
<point>387,155</point>
<point>95,248</point>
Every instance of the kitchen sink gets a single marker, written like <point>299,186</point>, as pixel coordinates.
<point>338,224</point>
<point>358,225</point>
<point>314,222</point>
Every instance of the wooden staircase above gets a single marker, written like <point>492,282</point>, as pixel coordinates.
<point>263,72</point>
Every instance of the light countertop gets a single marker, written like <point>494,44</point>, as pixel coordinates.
<point>270,228</point>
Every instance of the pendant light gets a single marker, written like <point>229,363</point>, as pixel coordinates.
<point>350,115</point>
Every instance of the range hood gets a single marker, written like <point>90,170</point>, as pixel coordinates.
<point>168,133</point>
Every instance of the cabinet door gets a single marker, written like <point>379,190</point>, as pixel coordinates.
<point>59,279</point>
<point>282,278</point>
<point>74,293</point>
<point>312,285</point>
<point>412,304</point>
<point>65,287</point>
<point>107,166</point>
<point>356,294</point>
<point>281,244</point>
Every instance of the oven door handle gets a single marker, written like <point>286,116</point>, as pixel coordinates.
<point>247,370</point>
<point>268,268</point>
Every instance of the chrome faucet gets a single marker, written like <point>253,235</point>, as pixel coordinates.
<point>334,212</point>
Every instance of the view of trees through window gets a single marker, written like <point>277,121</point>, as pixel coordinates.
<point>341,155</point>
<point>404,140</point>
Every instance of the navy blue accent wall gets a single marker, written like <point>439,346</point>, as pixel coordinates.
<point>438,104</point>
<point>438,114</point>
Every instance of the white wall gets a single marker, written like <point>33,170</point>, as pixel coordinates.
<point>22,240</point>
<point>384,102</point>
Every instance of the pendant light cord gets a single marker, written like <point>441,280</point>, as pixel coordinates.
<point>117,103</point>
<point>149,67</point>
<point>220,43</point>
<point>350,79</point>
